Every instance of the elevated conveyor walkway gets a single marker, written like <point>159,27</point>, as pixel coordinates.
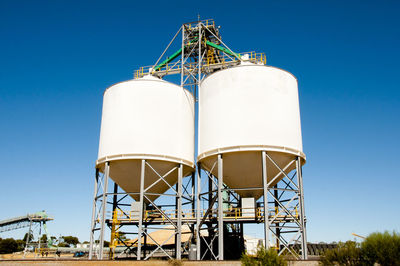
<point>23,221</point>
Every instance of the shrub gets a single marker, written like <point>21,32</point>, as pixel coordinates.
<point>263,257</point>
<point>383,248</point>
<point>20,244</point>
<point>8,245</point>
<point>348,253</point>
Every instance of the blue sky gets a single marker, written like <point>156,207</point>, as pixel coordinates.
<point>57,57</point>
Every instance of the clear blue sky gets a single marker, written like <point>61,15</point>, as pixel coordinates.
<point>57,57</point>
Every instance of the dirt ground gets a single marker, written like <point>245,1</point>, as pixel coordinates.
<point>64,262</point>
<point>17,259</point>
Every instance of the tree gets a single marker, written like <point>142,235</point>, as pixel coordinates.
<point>43,239</point>
<point>26,236</point>
<point>348,253</point>
<point>71,240</point>
<point>21,244</point>
<point>382,248</point>
<point>8,245</point>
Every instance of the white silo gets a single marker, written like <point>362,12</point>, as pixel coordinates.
<point>149,119</point>
<point>244,110</point>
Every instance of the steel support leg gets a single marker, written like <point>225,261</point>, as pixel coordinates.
<point>265,190</point>
<point>104,206</point>
<point>140,229</point>
<point>301,204</point>
<point>179,218</point>
<point>193,198</point>
<point>220,210</point>
<point>198,200</point>
<point>91,246</point>
<point>28,236</point>
<point>40,235</point>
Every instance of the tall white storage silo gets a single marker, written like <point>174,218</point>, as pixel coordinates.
<point>244,110</point>
<point>149,119</point>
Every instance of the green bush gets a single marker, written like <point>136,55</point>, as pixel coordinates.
<point>348,253</point>
<point>263,257</point>
<point>21,244</point>
<point>383,248</point>
<point>8,245</point>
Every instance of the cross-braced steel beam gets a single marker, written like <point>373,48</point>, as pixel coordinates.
<point>282,212</point>
<point>122,217</point>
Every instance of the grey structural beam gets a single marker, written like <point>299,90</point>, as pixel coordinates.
<point>93,222</point>
<point>179,220</point>
<point>104,206</point>
<point>220,209</point>
<point>301,203</point>
<point>140,226</point>
<point>265,191</point>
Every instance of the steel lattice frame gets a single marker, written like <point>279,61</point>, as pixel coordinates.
<point>282,197</point>
<point>34,225</point>
<point>286,223</point>
<point>183,196</point>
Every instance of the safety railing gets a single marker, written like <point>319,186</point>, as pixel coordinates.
<point>222,60</point>
<point>235,213</point>
<point>257,58</point>
<point>206,22</point>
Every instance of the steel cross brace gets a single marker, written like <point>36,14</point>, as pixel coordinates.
<point>295,190</point>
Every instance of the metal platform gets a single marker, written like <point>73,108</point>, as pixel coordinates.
<point>188,216</point>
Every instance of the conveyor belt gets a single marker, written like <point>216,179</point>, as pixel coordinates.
<point>22,221</point>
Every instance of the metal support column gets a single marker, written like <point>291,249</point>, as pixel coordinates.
<point>198,200</point>
<point>265,190</point>
<point>304,254</point>
<point>28,236</point>
<point>179,218</point>
<point>40,235</point>
<point>220,210</point>
<point>140,229</point>
<point>103,214</point>
<point>96,182</point>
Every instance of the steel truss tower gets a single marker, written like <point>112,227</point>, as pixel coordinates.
<point>282,204</point>
<point>201,52</point>
<point>149,214</point>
